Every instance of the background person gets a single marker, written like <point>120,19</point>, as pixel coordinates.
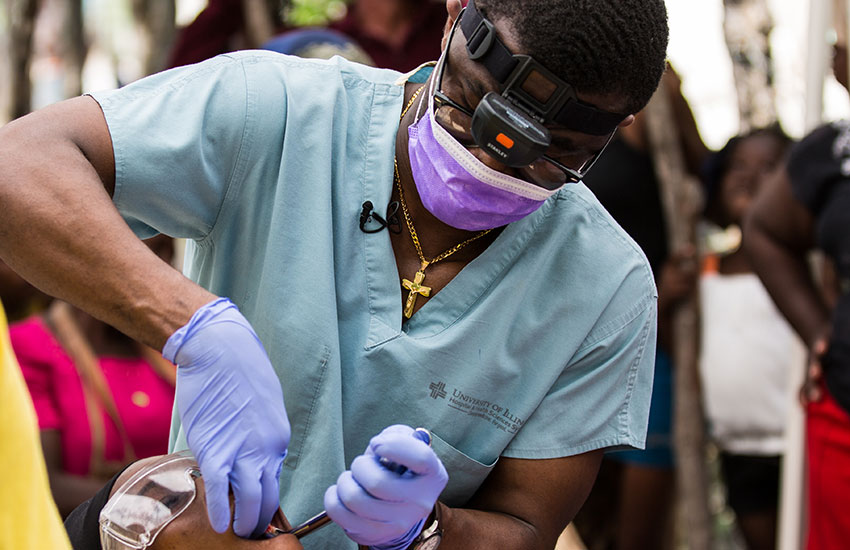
<point>397,34</point>
<point>234,153</point>
<point>318,43</point>
<point>747,347</point>
<point>805,207</point>
<point>28,516</point>
<point>102,399</point>
<point>639,484</point>
<point>394,34</point>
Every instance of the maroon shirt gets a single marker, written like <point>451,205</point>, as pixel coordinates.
<point>213,31</point>
<point>210,34</point>
<point>421,44</point>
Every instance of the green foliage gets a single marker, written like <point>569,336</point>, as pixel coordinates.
<point>314,12</point>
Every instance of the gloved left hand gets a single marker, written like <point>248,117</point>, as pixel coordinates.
<point>231,405</point>
<point>379,507</point>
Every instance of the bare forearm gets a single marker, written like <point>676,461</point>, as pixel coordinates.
<point>778,234</point>
<point>60,231</point>
<point>523,505</point>
<point>467,529</point>
<point>787,277</point>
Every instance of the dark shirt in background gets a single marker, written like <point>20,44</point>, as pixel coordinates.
<point>214,29</point>
<point>624,181</point>
<point>819,169</point>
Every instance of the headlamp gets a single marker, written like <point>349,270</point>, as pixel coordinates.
<point>508,133</point>
<point>528,84</point>
<point>510,125</point>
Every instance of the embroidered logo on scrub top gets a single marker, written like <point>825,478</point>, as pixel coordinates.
<point>499,416</point>
<point>438,389</point>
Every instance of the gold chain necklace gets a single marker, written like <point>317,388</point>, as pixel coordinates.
<point>415,286</point>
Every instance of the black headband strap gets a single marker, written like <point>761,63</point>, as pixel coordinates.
<point>484,46</point>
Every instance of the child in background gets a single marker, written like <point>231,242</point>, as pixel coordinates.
<point>747,346</point>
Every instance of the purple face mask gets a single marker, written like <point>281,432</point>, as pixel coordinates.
<point>459,189</point>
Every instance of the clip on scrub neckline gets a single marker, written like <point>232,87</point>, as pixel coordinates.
<point>148,501</point>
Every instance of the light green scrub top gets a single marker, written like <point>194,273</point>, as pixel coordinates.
<point>541,347</point>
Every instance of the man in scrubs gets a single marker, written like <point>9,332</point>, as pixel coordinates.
<point>370,252</point>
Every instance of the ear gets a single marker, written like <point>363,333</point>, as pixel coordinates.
<point>453,8</point>
<point>627,121</point>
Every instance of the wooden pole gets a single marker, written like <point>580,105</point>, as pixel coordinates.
<point>155,21</point>
<point>75,48</point>
<point>259,23</point>
<point>681,199</point>
<point>792,496</point>
<point>21,16</point>
<point>162,28</point>
<point>817,63</point>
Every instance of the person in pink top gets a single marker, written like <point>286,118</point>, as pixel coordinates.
<point>102,399</point>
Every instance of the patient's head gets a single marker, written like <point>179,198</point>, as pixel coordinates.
<point>163,499</point>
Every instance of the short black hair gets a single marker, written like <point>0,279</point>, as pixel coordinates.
<point>598,46</point>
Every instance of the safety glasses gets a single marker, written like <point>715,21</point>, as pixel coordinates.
<point>148,501</point>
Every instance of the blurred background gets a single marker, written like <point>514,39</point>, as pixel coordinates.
<point>739,64</point>
<point>66,47</point>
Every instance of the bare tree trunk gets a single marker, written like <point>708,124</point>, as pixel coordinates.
<point>747,25</point>
<point>681,198</point>
<point>75,48</point>
<point>21,16</point>
<point>155,19</point>
<point>161,15</point>
<point>260,21</point>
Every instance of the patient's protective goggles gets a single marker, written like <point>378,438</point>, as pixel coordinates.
<point>510,125</point>
<point>148,502</point>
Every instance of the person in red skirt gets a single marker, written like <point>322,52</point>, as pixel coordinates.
<point>806,207</point>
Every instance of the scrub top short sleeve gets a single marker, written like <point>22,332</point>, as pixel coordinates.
<point>563,424</point>
<point>178,144</point>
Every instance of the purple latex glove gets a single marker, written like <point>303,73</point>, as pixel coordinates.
<point>231,406</point>
<point>378,507</point>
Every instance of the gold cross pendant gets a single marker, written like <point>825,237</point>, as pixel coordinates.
<point>415,287</point>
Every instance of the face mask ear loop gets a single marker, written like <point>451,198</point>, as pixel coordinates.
<point>432,85</point>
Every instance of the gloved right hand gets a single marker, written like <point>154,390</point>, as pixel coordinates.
<point>379,507</point>
<point>231,405</point>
